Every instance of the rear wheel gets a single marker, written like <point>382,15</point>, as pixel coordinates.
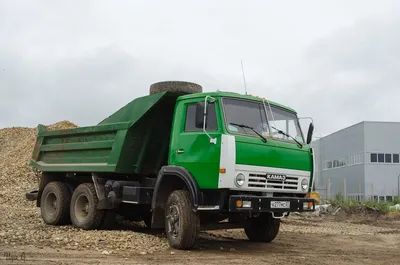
<point>55,202</point>
<point>181,222</point>
<point>263,228</point>
<point>84,212</point>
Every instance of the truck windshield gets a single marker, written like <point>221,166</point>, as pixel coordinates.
<point>253,114</point>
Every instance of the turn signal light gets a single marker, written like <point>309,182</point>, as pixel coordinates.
<point>239,204</point>
<point>222,170</point>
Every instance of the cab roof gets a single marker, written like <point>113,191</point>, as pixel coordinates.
<point>232,95</point>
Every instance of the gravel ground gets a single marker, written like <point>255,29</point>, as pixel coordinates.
<point>302,240</point>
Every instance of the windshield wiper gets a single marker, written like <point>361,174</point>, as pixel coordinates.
<point>287,135</point>
<point>251,128</point>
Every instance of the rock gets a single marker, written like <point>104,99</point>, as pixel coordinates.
<point>232,250</point>
<point>221,248</point>
<point>143,253</point>
<point>105,252</point>
<point>336,211</point>
<point>317,211</point>
<point>172,253</point>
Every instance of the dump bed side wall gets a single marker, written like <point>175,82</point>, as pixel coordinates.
<point>137,145</point>
<point>82,149</point>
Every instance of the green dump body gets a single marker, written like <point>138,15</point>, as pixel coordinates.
<point>133,140</point>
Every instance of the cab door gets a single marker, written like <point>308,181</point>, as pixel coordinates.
<point>190,146</point>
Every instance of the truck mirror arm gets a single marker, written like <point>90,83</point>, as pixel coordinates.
<point>212,140</point>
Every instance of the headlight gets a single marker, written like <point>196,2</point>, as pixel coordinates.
<point>304,184</point>
<point>239,181</point>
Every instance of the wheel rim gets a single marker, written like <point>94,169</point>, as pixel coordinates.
<point>51,204</point>
<point>81,208</point>
<point>173,221</point>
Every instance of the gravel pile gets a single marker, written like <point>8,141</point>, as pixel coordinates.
<point>20,220</point>
<point>16,176</point>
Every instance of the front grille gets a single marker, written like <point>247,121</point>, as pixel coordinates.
<point>259,181</point>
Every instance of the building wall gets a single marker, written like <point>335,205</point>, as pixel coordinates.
<point>381,178</point>
<point>340,150</point>
<point>347,181</point>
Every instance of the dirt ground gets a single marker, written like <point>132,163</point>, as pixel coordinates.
<point>302,240</point>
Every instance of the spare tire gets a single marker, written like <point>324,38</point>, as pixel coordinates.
<point>175,86</point>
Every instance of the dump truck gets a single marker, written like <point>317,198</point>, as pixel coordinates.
<point>182,160</point>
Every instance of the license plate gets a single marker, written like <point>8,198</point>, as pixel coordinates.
<point>280,205</point>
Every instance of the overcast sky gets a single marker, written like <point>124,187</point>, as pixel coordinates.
<point>337,61</point>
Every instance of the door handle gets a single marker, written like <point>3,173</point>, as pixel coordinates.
<point>180,151</point>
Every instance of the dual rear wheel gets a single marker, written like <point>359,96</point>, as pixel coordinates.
<point>59,205</point>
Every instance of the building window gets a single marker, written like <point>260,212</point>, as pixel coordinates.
<point>329,164</point>
<point>374,158</point>
<point>381,158</point>
<point>395,158</point>
<point>388,158</point>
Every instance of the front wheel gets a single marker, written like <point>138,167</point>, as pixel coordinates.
<point>263,228</point>
<point>181,222</point>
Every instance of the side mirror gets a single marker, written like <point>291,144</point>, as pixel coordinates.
<point>310,133</point>
<point>199,122</point>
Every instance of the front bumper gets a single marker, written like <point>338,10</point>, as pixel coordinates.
<point>270,204</point>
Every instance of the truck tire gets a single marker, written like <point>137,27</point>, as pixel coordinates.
<point>84,212</point>
<point>181,222</point>
<point>55,203</point>
<point>175,86</point>
<point>263,228</point>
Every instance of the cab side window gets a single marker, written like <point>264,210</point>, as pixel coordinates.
<point>211,122</point>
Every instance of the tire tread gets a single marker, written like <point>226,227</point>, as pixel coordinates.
<point>263,228</point>
<point>190,220</point>
<point>64,197</point>
<point>97,217</point>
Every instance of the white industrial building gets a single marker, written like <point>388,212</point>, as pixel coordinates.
<point>359,162</point>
